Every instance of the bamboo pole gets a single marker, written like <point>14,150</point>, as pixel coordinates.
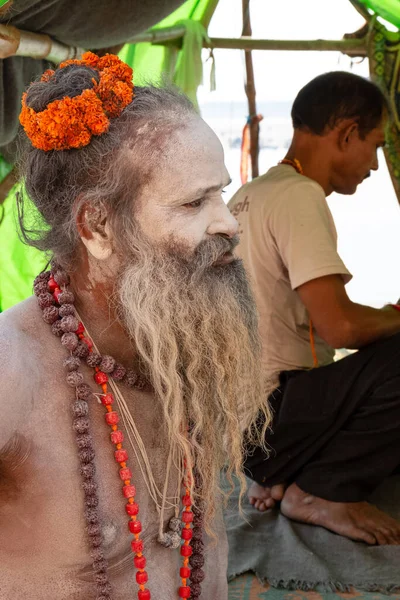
<point>208,13</point>
<point>362,9</point>
<point>14,42</point>
<point>352,47</point>
<point>6,184</point>
<point>250,89</point>
<point>159,36</point>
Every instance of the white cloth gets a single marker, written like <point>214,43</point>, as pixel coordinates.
<point>287,237</point>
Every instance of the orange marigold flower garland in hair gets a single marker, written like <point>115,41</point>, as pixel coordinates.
<point>71,122</point>
<point>47,75</point>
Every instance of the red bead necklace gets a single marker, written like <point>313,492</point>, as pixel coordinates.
<point>58,310</point>
<point>128,490</point>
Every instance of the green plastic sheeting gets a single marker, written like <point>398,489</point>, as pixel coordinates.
<point>19,264</point>
<point>388,9</point>
<point>5,168</point>
<point>149,60</point>
<point>184,66</point>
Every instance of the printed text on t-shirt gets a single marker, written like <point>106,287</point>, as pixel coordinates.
<point>240,207</point>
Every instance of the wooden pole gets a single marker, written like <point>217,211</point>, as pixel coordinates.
<point>173,35</point>
<point>165,35</point>
<point>23,43</point>
<point>6,185</point>
<point>208,13</point>
<point>250,90</point>
<point>351,46</point>
<point>15,42</point>
<point>362,9</point>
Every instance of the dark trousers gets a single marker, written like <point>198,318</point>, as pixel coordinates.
<point>335,429</point>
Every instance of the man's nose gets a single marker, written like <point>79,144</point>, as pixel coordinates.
<point>223,222</point>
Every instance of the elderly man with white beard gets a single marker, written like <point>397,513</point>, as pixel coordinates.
<point>133,376</point>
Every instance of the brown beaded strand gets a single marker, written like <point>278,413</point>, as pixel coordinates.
<point>81,424</point>
<point>51,290</point>
<point>72,337</point>
<point>197,560</point>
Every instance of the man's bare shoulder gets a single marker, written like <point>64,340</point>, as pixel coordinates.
<point>21,330</point>
<point>19,325</point>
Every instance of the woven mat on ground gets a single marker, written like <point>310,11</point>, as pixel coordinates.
<point>296,556</point>
<point>247,587</point>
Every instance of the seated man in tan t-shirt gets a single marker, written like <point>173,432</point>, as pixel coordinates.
<point>336,428</point>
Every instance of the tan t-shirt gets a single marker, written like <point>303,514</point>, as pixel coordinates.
<point>287,237</point>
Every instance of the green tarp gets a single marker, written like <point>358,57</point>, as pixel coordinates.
<point>19,264</point>
<point>388,9</point>
<point>184,66</point>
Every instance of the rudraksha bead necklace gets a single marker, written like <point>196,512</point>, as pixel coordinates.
<point>57,304</point>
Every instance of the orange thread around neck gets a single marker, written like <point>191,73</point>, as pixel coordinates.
<point>293,163</point>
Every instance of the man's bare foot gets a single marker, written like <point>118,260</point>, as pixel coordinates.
<point>358,521</point>
<point>263,498</point>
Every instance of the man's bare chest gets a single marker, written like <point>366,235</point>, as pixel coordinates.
<point>41,494</point>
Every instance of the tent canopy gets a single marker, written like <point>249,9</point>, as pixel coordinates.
<point>150,60</point>
<point>181,60</point>
<point>387,9</point>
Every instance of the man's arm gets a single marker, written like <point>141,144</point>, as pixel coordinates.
<point>341,322</point>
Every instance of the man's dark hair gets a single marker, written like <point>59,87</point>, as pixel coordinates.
<point>328,99</point>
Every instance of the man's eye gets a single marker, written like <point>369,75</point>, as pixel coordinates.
<point>194,204</point>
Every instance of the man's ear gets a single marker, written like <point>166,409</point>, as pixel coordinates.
<point>347,133</point>
<point>94,230</point>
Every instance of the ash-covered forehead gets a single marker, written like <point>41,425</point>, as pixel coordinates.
<point>197,138</point>
<point>191,160</point>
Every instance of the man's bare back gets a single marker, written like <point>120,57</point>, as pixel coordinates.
<point>43,547</point>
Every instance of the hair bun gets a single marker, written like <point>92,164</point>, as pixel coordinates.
<point>56,85</point>
<point>69,105</point>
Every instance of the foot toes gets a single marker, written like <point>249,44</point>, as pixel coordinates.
<point>381,538</point>
<point>367,537</point>
<point>277,492</point>
<point>260,505</point>
<point>393,536</point>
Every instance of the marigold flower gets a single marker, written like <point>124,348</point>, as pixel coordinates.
<point>71,122</point>
<point>47,75</point>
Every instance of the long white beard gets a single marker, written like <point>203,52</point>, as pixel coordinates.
<point>195,329</point>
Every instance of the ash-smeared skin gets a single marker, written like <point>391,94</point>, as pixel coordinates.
<point>117,290</point>
<point>43,551</point>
